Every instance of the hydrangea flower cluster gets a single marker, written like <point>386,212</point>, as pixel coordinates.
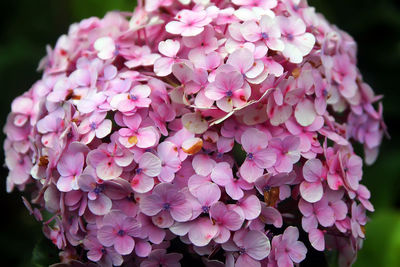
<point>221,125</point>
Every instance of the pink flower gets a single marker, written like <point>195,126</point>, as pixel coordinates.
<point>134,135</point>
<point>118,230</point>
<point>204,42</point>
<point>70,168</point>
<point>351,169</point>
<point>226,220</point>
<point>314,173</point>
<point>267,31</point>
<point>268,185</point>
<point>95,126</point>
<point>136,98</point>
<point>287,249</point>
<point>190,23</point>
<point>344,75</point>
<point>258,157</point>
<point>222,175</point>
<point>166,197</point>
<point>24,107</point>
<point>227,90</point>
<point>298,42</point>
<point>99,253</point>
<point>319,212</point>
<point>139,56</point>
<point>149,167</point>
<point>287,152</point>
<point>19,165</point>
<point>249,206</point>
<point>243,60</point>
<point>213,121</point>
<point>51,127</point>
<point>101,194</point>
<point>159,257</point>
<point>170,49</point>
<point>253,246</point>
<point>109,160</point>
<point>170,162</point>
<point>358,220</point>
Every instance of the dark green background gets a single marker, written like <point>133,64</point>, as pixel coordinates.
<point>26,26</point>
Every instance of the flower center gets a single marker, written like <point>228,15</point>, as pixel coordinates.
<point>290,37</point>
<point>93,126</point>
<point>267,188</point>
<point>166,206</point>
<point>139,170</point>
<point>205,209</point>
<point>229,93</point>
<point>250,156</point>
<point>121,232</point>
<point>98,189</point>
<point>264,35</point>
<point>133,97</point>
<point>242,250</point>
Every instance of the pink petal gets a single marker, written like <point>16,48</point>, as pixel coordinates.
<point>142,183</point>
<point>251,207</point>
<point>182,213</point>
<point>150,164</point>
<point>104,129</point>
<point>163,66</point>
<point>265,158</point>
<point>317,239</point>
<point>222,174</point>
<point>100,206</point>
<point>147,137</point>
<point>202,232</point>
<point>257,245</point>
<point>305,112</point>
<point>142,248</point>
<point>311,192</point>
<point>106,235</point>
<point>107,170</point>
<point>124,244</point>
<point>313,170</point>
<point>203,164</point>
<point>250,171</point>
<point>242,59</point>
<point>169,47</point>
<point>234,190</point>
<point>270,215</point>
<point>298,252</point>
<point>254,140</point>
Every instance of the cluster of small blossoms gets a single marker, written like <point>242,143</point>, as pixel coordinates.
<point>221,125</point>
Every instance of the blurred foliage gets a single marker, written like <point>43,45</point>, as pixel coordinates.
<point>26,27</point>
<point>44,253</point>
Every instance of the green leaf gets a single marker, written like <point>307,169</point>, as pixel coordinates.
<point>44,254</point>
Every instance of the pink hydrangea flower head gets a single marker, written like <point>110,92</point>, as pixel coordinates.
<point>222,128</point>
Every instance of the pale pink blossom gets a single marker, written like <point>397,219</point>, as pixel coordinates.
<point>149,166</point>
<point>166,197</point>
<point>137,97</point>
<point>118,231</point>
<point>189,23</point>
<point>259,157</point>
<point>298,43</point>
